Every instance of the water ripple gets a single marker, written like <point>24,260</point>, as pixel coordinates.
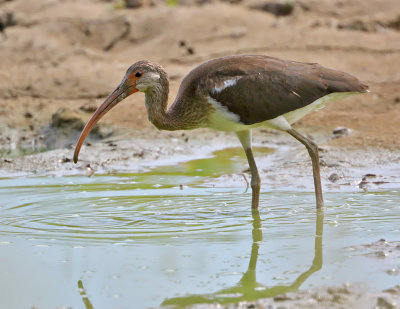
<point>87,211</point>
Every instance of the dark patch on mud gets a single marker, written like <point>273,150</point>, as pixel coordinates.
<point>276,8</point>
<point>380,249</point>
<point>66,126</point>
<point>367,25</point>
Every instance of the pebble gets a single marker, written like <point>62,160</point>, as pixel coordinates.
<point>281,297</point>
<point>393,271</point>
<point>277,8</point>
<point>88,108</point>
<point>133,4</point>
<point>190,50</point>
<point>381,254</point>
<point>64,160</point>
<point>385,303</point>
<point>89,171</point>
<point>340,132</point>
<point>334,177</point>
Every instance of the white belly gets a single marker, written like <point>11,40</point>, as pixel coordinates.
<point>224,120</point>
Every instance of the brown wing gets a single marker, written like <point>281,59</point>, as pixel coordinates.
<point>266,87</point>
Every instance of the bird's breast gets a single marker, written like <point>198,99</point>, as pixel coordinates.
<point>222,119</point>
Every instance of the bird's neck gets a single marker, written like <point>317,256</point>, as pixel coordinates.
<point>156,104</point>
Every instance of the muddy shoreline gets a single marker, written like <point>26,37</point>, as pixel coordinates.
<point>288,167</point>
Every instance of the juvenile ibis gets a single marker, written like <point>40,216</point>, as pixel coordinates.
<point>236,93</point>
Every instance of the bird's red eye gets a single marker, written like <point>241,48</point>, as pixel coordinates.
<point>138,74</point>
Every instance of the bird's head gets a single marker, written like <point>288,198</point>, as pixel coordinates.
<point>141,76</point>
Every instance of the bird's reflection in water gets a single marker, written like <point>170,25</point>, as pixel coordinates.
<point>248,288</point>
<point>85,299</point>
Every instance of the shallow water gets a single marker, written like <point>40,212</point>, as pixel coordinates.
<point>139,241</point>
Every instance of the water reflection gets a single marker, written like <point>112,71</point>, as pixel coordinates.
<point>248,288</point>
<point>85,299</point>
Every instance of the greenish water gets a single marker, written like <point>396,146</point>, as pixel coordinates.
<point>139,241</point>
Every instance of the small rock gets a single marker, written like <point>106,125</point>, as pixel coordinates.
<point>393,271</point>
<point>381,254</point>
<point>340,132</point>
<point>232,1</point>
<point>282,297</point>
<point>363,183</point>
<point>133,4</point>
<point>65,160</point>
<point>6,20</point>
<point>66,118</point>
<point>357,25</point>
<point>57,82</point>
<point>385,303</point>
<point>88,108</point>
<point>139,154</point>
<point>190,50</point>
<point>334,177</point>
<point>394,24</point>
<point>111,144</point>
<point>333,290</point>
<point>277,8</point>
<point>66,126</point>
<point>89,170</point>
<point>394,290</point>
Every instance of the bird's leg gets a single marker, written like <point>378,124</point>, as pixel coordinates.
<point>245,139</point>
<point>313,152</point>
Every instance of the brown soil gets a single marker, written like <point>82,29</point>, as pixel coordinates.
<point>72,53</point>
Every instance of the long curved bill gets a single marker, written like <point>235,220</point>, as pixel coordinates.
<point>120,93</point>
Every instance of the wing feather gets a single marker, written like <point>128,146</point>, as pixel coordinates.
<point>265,92</point>
<point>259,88</point>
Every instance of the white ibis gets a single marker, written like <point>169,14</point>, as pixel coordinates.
<point>236,93</point>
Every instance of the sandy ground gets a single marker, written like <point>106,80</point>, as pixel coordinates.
<point>59,59</point>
